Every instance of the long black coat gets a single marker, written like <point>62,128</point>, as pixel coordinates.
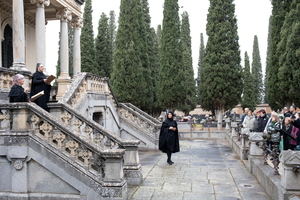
<point>39,85</point>
<point>261,123</point>
<point>17,94</point>
<point>168,139</point>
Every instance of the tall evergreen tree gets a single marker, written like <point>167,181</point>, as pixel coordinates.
<point>158,34</point>
<point>170,81</point>
<point>248,98</point>
<point>268,61</point>
<point>131,74</point>
<point>257,72</point>
<point>102,48</point>
<point>288,50</point>
<point>189,101</point>
<point>221,78</point>
<point>87,40</point>
<point>112,38</point>
<point>279,11</point>
<point>200,65</point>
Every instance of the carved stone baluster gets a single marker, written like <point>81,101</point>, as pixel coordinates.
<point>4,119</point>
<point>59,138</point>
<point>86,156</point>
<point>71,147</point>
<point>34,123</point>
<point>66,116</point>
<point>77,124</point>
<point>46,128</point>
<point>88,133</point>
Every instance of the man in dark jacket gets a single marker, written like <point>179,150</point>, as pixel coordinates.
<point>262,121</point>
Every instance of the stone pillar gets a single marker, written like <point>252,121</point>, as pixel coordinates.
<point>290,178</point>
<point>64,79</point>
<point>114,186</point>
<point>234,126</point>
<point>77,24</point>
<point>18,36</point>
<point>40,29</point>
<point>255,151</point>
<point>132,166</point>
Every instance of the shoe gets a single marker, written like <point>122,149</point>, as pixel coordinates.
<point>170,162</point>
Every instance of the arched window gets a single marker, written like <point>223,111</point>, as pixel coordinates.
<point>7,47</point>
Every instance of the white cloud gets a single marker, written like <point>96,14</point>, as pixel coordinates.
<point>252,16</point>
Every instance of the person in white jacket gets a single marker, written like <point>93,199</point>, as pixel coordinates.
<point>248,123</point>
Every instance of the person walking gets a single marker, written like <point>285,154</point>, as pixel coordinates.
<point>168,137</point>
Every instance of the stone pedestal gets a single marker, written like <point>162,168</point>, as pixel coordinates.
<point>132,166</point>
<point>290,178</point>
<point>255,151</point>
<point>244,147</point>
<point>19,120</point>
<point>227,120</point>
<point>234,126</point>
<point>63,86</point>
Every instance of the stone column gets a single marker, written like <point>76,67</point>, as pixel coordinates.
<point>77,24</point>
<point>40,29</point>
<point>132,166</point>
<point>18,36</point>
<point>64,79</point>
<point>255,151</point>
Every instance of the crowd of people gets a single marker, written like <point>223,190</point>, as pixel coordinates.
<point>283,126</point>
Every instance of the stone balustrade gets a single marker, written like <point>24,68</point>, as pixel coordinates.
<point>104,165</point>
<point>101,138</point>
<point>142,122</point>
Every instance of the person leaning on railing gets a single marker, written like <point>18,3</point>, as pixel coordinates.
<point>17,93</point>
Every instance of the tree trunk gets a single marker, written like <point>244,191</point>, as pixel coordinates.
<point>219,115</point>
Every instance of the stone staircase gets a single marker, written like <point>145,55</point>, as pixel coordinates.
<point>88,91</point>
<point>41,157</point>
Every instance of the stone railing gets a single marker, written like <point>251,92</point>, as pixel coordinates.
<point>6,76</point>
<point>84,83</point>
<point>100,138</point>
<point>140,121</point>
<point>102,165</point>
<point>136,109</point>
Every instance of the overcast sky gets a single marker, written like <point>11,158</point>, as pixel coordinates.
<point>252,15</point>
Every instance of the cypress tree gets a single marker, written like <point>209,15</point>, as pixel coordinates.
<point>170,81</point>
<point>289,57</point>
<point>131,60</point>
<point>268,61</point>
<point>158,35</point>
<point>189,101</point>
<point>221,78</point>
<point>279,11</point>
<point>87,40</point>
<point>248,98</point>
<point>200,65</point>
<point>112,38</point>
<point>257,72</point>
<point>102,48</point>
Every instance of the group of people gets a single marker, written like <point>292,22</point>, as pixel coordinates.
<point>38,84</point>
<point>283,126</point>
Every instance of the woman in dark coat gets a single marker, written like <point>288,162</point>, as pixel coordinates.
<point>39,84</point>
<point>168,138</point>
<point>17,93</point>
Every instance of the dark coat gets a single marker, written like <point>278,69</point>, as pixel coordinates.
<point>286,133</point>
<point>261,123</point>
<point>296,123</point>
<point>39,85</point>
<point>17,94</point>
<point>168,139</point>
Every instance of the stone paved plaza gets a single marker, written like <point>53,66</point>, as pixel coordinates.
<point>203,170</point>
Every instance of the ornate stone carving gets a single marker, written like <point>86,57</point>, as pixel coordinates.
<point>66,116</point>
<point>72,146</point>
<point>77,124</point>
<point>4,115</point>
<point>59,138</point>
<point>77,22</point>
<point>46,128</point>
<point>85,156</point>
<point>64,15</point>
<point>41,3</point>
<point>18,164</point>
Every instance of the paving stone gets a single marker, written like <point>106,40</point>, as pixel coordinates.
<point>203,170</point>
